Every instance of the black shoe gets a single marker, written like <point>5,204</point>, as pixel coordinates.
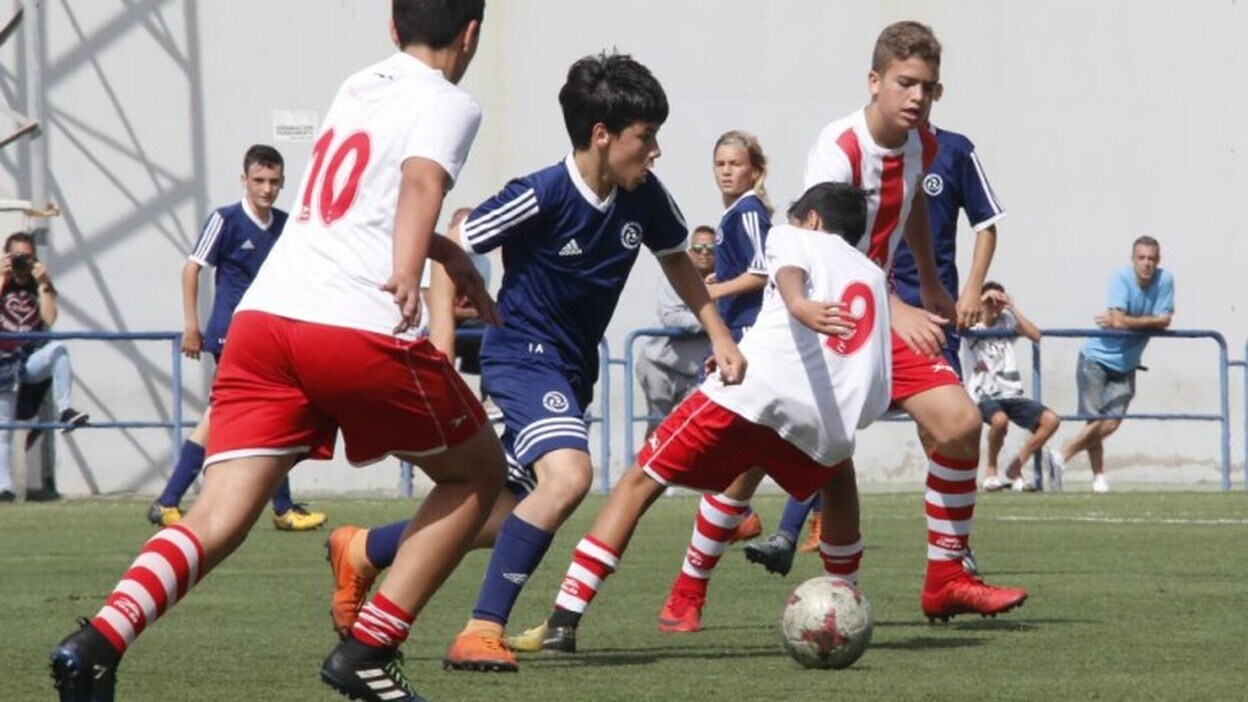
<point>73,418</point>
<point>84,666</point>
<point>360,672</point>
<point>42,495</point>
<point>7,496</point>
<point>775,553</point>
<point>561,639</point>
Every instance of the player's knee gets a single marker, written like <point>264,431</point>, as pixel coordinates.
<point>999,422</point>
<point>1049,421</point>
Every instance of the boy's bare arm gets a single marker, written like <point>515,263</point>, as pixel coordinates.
<point>1025,326</point>
<point>919,238</point>
<point>820,316</point>
<point>192,340</point>
<point>745,283</point>
<point>689,286</point>
<point>981,260</point>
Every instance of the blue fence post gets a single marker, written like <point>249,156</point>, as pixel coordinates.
<point>176,415</point>
<point>1224,387</point>
<point>604,404</point>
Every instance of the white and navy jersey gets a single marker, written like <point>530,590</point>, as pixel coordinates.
<point>338,249</point>
<point>956,181</point>
<point>235,241</point>
<point>816,391</point>
<point>566,257</point>
<point>739,248</point>
<point>845,152</point>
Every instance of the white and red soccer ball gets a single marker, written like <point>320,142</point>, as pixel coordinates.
<point>826,623</point>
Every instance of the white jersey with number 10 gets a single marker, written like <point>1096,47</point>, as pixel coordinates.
<point>337,250</point>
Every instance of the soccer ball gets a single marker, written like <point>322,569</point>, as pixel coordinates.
<point>826,623</point>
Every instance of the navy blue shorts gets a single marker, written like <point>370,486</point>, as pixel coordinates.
<point>1022,411</point>
<point>543,405</point>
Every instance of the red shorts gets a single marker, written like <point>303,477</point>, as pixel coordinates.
<point>704,446</point>
<point>286,387</point>
<point>914,373</point>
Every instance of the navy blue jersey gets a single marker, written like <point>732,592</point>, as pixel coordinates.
<point>566,257</point>
<point>234,243</point>
<point>739,248</point>
<point>955,181</point>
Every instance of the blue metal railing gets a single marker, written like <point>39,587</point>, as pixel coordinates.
<point>631,417</point>
<point>175,423</point>
<point>1223,417</point>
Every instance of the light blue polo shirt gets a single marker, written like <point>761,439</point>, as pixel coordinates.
<point>1123,353</point>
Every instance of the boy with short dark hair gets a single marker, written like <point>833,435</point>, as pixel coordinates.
<point>330,336</point>
<point>819,371</point>
<point>236,239</point>
<point>997,388</point>
<point>570,234</point>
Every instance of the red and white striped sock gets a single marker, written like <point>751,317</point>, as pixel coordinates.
<point>167,567</point>
<point>382,623</point>
<point>843,560</point>
<point>950,505</point>
<point>592,562</point>
<point>718,519</point>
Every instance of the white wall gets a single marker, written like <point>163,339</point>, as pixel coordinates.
<point>1095,125</point>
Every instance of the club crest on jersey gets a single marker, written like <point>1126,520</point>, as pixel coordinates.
<point>933,184</point>
<point>630,235</point>
<point>555,401</point>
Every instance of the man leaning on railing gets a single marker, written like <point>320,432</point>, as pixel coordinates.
<point>1141,298</point>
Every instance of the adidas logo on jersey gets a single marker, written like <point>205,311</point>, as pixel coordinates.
<point>570,249</point>
<point>247,245</point>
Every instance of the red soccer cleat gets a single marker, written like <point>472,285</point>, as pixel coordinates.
<point>970,595</point>
<point>751,527</point>
<point>682,613</point>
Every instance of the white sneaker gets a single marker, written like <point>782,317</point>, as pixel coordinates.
<point>1021,484</point>
<point>1100,483</point>
<point>993,484</point>
<point>1054,468</point>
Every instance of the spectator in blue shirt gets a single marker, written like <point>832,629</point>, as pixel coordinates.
<point>1141,299</point>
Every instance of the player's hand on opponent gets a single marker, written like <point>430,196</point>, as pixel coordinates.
<point>937,300</point>
<point>728,360</point>
<point>405,289</point>
<point>192,343</point>
<point>919,329</point>
<point>827,318</point>
<point>469,283</point>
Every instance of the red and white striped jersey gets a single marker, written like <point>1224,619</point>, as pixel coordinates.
<point>845,152</point>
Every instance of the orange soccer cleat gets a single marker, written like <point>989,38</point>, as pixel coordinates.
<point>682,613</point>
<point>481,651</point>
<point>351,582</point>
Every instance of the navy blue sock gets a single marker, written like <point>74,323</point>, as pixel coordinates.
<point>518,549</point>
<point>382,543</point>
<point>190,462</point>
<point>795,514</point>
<point>282,501</point>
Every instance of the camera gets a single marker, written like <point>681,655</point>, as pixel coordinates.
<point>21,262</point>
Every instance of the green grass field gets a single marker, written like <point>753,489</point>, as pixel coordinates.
<point>1134,596</point>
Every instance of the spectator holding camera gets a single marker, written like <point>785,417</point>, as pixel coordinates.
<point>28,304</point>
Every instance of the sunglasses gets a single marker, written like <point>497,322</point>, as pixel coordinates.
<point>702,248</point>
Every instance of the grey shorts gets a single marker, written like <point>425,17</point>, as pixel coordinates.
<point>1103,390</point>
